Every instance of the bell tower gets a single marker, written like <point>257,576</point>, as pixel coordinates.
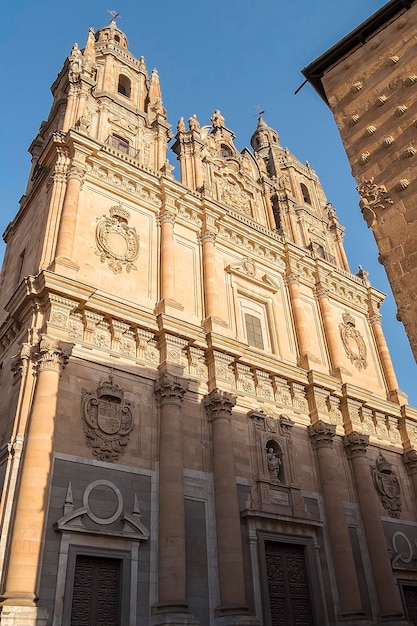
<point>302,214</point>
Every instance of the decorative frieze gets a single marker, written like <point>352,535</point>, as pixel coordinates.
<point>244,378</point>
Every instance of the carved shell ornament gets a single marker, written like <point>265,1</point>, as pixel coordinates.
<point>117,242</point>
<point>353,342</point>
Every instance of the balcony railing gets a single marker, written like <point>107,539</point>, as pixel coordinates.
<point>121,145</point>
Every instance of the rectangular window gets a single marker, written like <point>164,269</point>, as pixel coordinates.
<point>254,331</point>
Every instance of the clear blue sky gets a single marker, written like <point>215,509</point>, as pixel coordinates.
<point>230,55</point>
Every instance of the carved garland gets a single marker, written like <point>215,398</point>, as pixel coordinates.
<point>117,243</point>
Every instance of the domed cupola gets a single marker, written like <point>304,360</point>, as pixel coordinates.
<point>111,33</point>
<point>264,137</point>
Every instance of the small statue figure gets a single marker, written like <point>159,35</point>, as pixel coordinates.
<point>274,464</point>
<point>193,122</point>
<point>181,125</point>
<point>217,119</point>
<point>75,63</point>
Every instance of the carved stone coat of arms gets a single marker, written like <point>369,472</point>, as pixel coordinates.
<point>387,486</point>
<point>108,420</point>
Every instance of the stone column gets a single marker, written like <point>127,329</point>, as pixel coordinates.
<point>167,221</point>
<point>219,405</point>
<point>321,435</point>
<point>172,592</point>
<point>299,319</point>
<point>331,331</point>
<point>208,239</point>
<point>31,503</point>
<point>384,355</point>
<point>388,596</point>
<point>65,244</point>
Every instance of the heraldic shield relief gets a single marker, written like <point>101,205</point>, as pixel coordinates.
<point>117,242</point>
<point>107,419</point>
<point>387,486</point>
<point>352,341</point>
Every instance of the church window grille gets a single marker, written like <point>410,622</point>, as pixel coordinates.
<point>305,193</point>
<point>124,86</point>
<point>254,331</point>
<point>120,144</point>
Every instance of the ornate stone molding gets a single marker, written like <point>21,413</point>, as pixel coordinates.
<point>321,434</point>
<point>117,242</point>
<point>387,486</point>
<point>353,342</point>
<point>356,444</point>
<point>50,356</point>
<point>170,389</point>
<point>374,198</point>
<point>108,420</point>
<point>219,404</point>
<point>20,361</point>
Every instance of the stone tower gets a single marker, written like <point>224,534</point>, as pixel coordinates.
<point>200,422</point>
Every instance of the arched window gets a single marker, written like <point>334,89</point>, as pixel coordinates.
<point>124,86</point>
<point>117,38</point>
<point>305,193</point>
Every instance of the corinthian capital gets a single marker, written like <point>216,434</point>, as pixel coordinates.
<point>322,434</point>
<point>167,217</point>
<point>219,404</point>
<point>76,172</point>
<point>356,444</point>
<point>170,389</point>
<point>208,236</point>
<point>51,356</point>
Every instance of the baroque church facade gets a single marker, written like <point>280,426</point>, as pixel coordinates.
<point>200,421</point>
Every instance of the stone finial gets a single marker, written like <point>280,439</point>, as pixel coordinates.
<point>217,119</point>
<point>193,123</point>
<point>181,125</point>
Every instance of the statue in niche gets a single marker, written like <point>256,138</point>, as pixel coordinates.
<point>274,464</point>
